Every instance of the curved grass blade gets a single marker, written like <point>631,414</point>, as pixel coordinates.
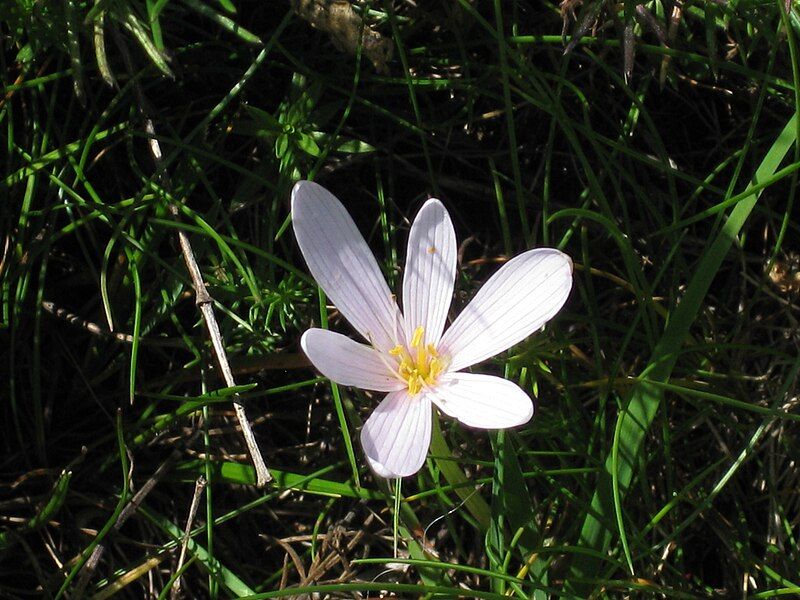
<point>644,398</point>
<point>51,507</point>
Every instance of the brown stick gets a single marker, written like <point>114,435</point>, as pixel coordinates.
<point>204,303</point>
<point>91,564</point>
<point>199,486</point>
<point>202,297</point>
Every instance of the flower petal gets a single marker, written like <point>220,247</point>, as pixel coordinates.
<point>430,271</point>
<point>343,266</point>
<point>397,434</point>
<point>347,362</point>
<point>482,401</point>
<point>516,301</point>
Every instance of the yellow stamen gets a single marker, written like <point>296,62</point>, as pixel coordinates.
<point>419,365</point>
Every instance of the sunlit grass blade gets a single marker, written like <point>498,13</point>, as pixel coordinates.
<point>221,573</point>
<point>644,399</point>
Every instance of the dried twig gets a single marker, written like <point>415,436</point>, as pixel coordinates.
<point>337,553</point>
<point>672,30</point>
<point>204,303</point>
<point>95,329</point>
<point>240,365</point>
<point>97,553</point>
<point>202,297</point>
<point>200,485</point>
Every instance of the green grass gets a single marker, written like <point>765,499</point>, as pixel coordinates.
<point>662,457</point>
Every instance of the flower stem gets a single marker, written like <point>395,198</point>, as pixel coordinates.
<point>447,463</point>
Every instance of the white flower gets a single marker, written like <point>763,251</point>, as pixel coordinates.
<point>408,356</point>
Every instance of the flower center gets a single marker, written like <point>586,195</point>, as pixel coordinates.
<point>421,366</point>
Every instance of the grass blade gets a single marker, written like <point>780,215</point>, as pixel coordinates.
<point>645,398</point>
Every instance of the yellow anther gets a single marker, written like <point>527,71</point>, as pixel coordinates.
<point>419,365</point>
<point>435,368</point>
<point>422,358</point>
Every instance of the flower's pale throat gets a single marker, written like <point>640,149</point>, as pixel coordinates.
<point>421,366</point>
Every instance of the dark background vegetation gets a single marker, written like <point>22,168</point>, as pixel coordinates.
<point>656,116</point>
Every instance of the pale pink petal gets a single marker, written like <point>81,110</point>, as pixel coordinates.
<point>482,401</point>
<point>516,301</point>
<point>397,434</point>
<point>343,266</point>
<point>347,362</point>
<point>430,271</point>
